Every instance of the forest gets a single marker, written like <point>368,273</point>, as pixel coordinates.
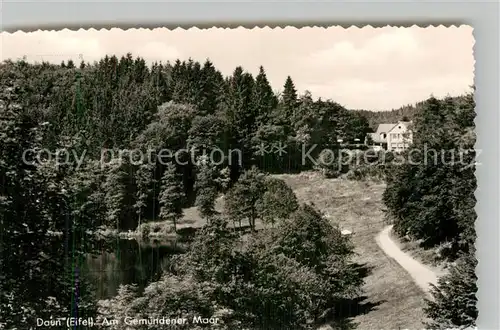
<point>289,268</point>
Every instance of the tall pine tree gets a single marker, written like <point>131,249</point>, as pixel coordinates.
<point>289,97</point>
<point>264,100</point>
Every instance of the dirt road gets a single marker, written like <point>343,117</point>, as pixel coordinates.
<point>421,274</point>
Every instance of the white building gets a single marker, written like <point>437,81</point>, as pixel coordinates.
<point>393,137</point>
<point>379,138</point>
<point>400,137</point>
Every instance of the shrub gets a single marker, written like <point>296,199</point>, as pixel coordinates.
<point>333,163</point>
<point>145,230</point>
<point>454,299</point>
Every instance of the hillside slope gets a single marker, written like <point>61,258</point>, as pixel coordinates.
<point>392,299</point>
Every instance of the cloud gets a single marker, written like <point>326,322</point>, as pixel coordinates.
<point>375,51</point>
<point>50,46</point>
<point>158,51</point>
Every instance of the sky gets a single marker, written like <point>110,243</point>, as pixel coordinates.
<point>360,68</point>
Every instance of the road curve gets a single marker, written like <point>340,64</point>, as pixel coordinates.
<point>421,274</point>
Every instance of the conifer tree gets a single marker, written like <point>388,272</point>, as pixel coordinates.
<point>33,265</point>
<point>144,179</point>
<point>171,196</point>
<point>264,100</point>
<point>180,81</point>
<point>209,81</point>
<point>242,84</point>
<point>289,96</point>
<point>305,119</point>
<point>19,191</point>
<point>240,115</point>
<point>115,188</point>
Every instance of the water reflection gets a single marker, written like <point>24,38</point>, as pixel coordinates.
<point>126,262</point>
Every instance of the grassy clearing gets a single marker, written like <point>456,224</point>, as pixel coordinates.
<point>393,300</point>
<point>191,218</point>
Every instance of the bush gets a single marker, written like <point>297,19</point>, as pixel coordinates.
<point>145,230</point>
<point>155,228</point>
<point>356,164</point>
<point>333,163</point>
<point>454,303</point>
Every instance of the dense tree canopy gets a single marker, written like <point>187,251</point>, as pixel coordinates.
<point>432,194</point>
<point>432,199</point>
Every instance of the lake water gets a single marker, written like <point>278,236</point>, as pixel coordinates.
<point>128,262</point>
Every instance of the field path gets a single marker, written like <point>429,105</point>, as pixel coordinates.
<point>421,274</point>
